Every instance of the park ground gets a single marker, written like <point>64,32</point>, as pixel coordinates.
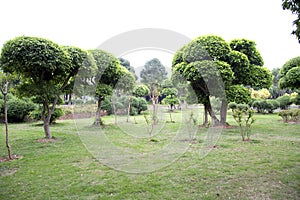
<point>267,167</point>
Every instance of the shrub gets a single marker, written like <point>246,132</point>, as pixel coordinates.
<point>275,104</point>
<point>296,99</point>
<point>243,115</point>
<point>290,115</point>
<point>107,106</point>
<point>265,106</point>
<point>284,101</point>
<point>232,105</point>
<point>36,114</point>
<point>18,109</point>
<point>243,107</point>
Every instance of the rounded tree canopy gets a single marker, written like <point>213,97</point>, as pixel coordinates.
<point>108,67</point>
<point>294,62</point>
<point>248,48</point>
<point>209,47</point>
<point>153,72</point>
<point>291,79</point>
<point>261,77</point>
<point>78,58</point>
<point>141,91</point>
<point>238,94</point>
<point>35,58</point>
<point>240,66</point>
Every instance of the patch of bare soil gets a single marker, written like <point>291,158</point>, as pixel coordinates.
<point>223,126</point>
<point>47,140</point>
<point>6,159</point>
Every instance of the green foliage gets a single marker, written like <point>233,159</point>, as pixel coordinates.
<point>240,66</point>
<point>78,58</point>
<point>171,100</point>
<point>261,77</point>
<point>23,55</point>
<point>293,62</point>
<point>284,101</point>
<point>137,105</point>
<point>153,72</point>
<point>244,116</point>
<point>18,109</point>
<point>232,105</point>
<point>290,74</point>
<point>125,63</point>
<point>294,7</point>
<point>238,94</point>
<point>296,99</point>
<point>36,114</point>
<point>140,104</point>
<point>170,91</point>
<point>107,106</point>
<point>141,91</point>
<point>209,47</point>
<point>291,79</point>
<point>243,107</point>
<point>290,115</point>
<point>45,69</point>
<point>266,106</point>
<point>248,48</point>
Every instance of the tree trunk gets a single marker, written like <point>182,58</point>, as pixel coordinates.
<point>46,116</point>
<point>47,129</point>
<point>69,99</point>
<point>223,112</point>
<point>113,103</point>
<point>98,120</point>
<point>215,120</point>
<point>205,121</point>
<point>128,111</point>
<point>4,92</point>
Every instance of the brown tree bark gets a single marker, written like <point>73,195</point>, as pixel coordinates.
<point>128,110</point>
<point>215,120</point>
<point>98,120</point>
<point>223,112</point>
<point>4,92</point>
<point>205,121</point>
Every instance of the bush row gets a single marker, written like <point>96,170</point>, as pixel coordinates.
<point>290,115</point>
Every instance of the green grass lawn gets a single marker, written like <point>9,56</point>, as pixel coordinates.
<point>268,167</point>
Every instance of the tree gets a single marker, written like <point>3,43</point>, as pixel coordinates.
<point>238,94</point>
<point>4,90</point>
<point>124,87</point>
<point>153,72</point>
<point>294,6</point>
<point>171,96</point>
<point>275,90</point>
<point>45,69</point>
<point>290,74</point>
<point>248,48</point>
<point>125,63</point>
<point>153,75</point>
<point>108,74</point>
<point>201,62</point>
<point>141,91</point>
<point>78,58</point>
<point>237,63</point>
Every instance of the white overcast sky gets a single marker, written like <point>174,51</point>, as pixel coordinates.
<point>89,23</point>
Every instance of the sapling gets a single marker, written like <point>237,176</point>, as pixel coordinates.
<point>244,116</point>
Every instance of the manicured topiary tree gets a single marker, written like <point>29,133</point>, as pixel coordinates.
<point>45,69</point>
